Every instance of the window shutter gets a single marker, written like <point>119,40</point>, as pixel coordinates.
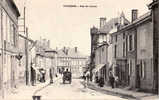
<point>133,40</point>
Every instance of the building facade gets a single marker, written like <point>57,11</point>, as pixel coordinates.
<point>103,40</point>
<point>72,59</point>
<point>9,76</point>
<point>155,14</point>
<point>134,46</point>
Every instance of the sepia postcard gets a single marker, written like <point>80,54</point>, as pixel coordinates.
<point>79,50</point>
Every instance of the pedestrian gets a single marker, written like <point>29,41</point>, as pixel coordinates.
<point>43,75</point>
<point>87,78</point>
<point>111,79</point>
<point>96,78</point>
<point>84,81</point>
<point>116,81</point>
<point>32,75</point>
<point>101,82</point>
<point>51,75</point>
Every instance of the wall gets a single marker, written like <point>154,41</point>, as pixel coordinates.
<point>145,53</point>
<point>9,33</point>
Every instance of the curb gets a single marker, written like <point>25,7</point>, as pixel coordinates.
<point>41,88</point>
<point>123,95</point>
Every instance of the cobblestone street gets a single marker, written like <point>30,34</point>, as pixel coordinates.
<point>60,91</point>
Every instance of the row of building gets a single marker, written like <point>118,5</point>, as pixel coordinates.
<point>20,55</point>
<point>128,49</point>
<point>72,59</point>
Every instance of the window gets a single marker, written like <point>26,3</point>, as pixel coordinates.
<point>131,42</point>
<point>14,35</point>
<point>130,67</point>
<point>143,69</point>
<point>115,51</point>
<point>124,35</point>
<point>102,49</point>
<point>124,49</point>
<point>116,38</point>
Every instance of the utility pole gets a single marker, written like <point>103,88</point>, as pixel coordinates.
<point>25,31</point>
<point>27,57</point>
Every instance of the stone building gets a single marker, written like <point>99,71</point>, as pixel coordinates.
<point>155,15</point>
<point>137,70</point>
<point>72,59</point>
<point>94,42</point>
<point>101,62</point>
<point>9,76</point>
<point>102,46</point>
<point>45,57</point>
<point>63,60</point>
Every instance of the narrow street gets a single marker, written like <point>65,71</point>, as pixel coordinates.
<point>73,91</point>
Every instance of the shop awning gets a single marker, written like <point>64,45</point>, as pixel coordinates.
<point>98,67</point>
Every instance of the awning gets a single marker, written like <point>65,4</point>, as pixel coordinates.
<point>87,73</point>
<point>98,67</point>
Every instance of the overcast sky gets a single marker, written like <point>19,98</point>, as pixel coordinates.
<point>71,26</point>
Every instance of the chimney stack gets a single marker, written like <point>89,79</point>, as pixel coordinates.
<point>102,21</point>
<point>134,14</point>
<point>48,43</point>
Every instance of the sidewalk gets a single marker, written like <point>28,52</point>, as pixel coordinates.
<point>124,92</point>
<point>26,92</point>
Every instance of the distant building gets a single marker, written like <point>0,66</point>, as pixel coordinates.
<point>45,58</point>
<point>72,59</point>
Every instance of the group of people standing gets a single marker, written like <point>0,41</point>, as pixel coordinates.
<point>40,75</point>
<point>86,78</point>
<point>37,76</point>
<point>113,80</point>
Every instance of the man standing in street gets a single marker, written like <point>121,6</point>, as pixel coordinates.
<point>51,75</point>
<point>111,79</point>
<point>87,78</point>
<point>33,74</point>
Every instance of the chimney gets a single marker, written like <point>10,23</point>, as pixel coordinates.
<point>102,21</point>
<point>134,14</point>
<point>75,49</point>
<point>48,43</point>
<point>64,48</point>
<point>56,48</point>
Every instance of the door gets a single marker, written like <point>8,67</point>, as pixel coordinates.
<point>138,76</point>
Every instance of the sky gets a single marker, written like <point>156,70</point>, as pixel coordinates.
<point>65,26</point>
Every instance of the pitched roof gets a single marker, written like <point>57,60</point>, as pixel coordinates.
<point>61,53</point>
<point>70,52</point>
<point>75,54</point>
<point>110,24</point>
<point>138,21</point>
<point>13,5</point>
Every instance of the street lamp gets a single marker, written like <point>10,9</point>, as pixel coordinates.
<point>19,57</point>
